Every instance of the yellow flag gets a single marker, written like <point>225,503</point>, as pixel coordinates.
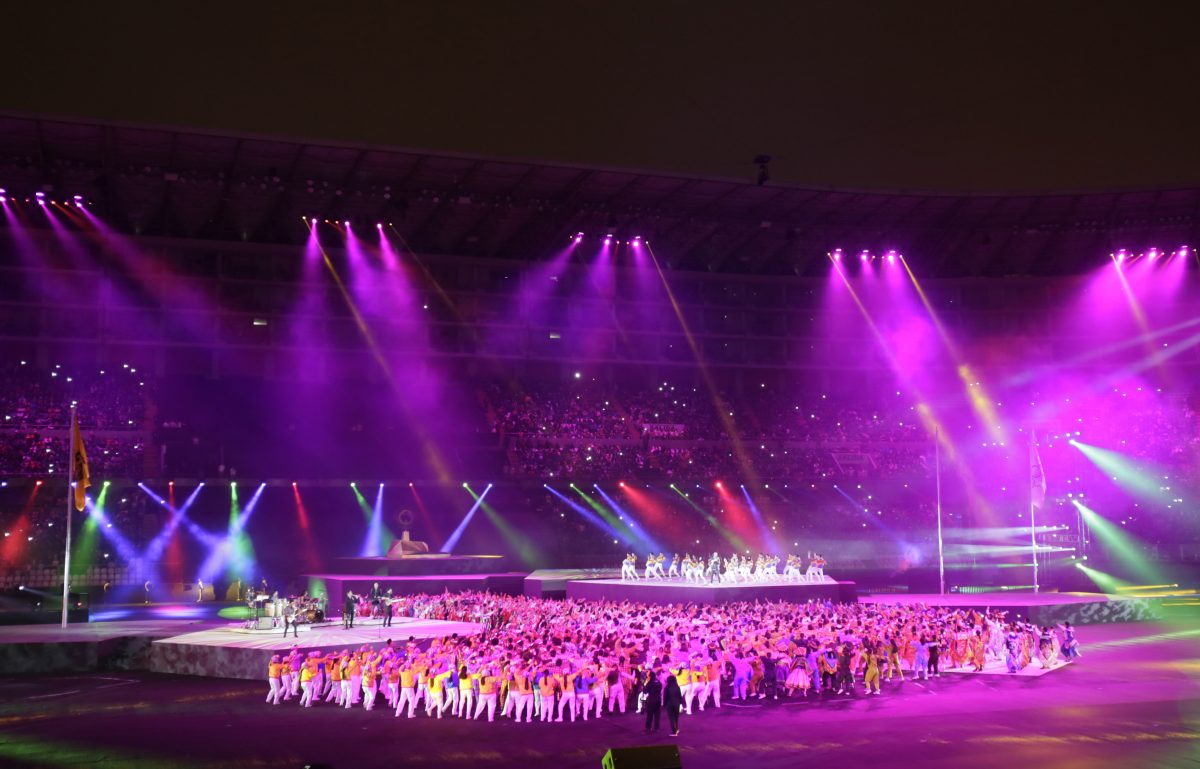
<point>80,466</point>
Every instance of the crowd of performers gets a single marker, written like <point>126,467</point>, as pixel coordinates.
<point>735,568</point>
<point>557,660</point>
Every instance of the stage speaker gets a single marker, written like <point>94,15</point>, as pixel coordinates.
<point>644,757</point>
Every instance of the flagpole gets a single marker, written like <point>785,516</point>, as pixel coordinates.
<point>937,459</point>
<point>1033,512</point>
<point>70,514</point>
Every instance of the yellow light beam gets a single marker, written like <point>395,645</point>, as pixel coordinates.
<point>722,408</point>
<point>980,401</point>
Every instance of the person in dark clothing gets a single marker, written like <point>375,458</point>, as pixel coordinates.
<point>653,690</point>
<point>673,701</point>
<point>769,684</point>
<point>289,620</point>
<point>639,688</point>
<point>933,658</point>
<point>387,609</point>
<point>845,678</point>
<point>349,606</point>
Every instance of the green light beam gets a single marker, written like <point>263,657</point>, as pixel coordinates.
<point>1123,546</point>
<point>1142,480</point>
<point>738,543</point>
<point>526,550</point>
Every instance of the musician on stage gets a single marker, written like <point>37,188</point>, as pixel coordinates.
<point>387,608</point>
<point>289,618</point>
<point>349,607</point>
<point>376,596</point>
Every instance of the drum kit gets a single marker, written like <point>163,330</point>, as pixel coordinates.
<point>305,610</point>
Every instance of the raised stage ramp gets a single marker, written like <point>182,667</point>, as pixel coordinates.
<point>552,583</point>
<point>336,585</point>
<point>232,652</point>
<point>1044,608</point>
<point>425,564</point>
<point>678,591</point>
<point>47,648</point>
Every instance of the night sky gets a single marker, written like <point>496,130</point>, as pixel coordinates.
<point>950,96</point>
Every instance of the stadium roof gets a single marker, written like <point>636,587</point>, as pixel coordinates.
<point>204,185</point>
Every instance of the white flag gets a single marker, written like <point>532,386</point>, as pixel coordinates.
<point>1037,476</point>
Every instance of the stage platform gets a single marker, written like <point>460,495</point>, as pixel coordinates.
<point>229,651</point>
<point>552,583</point>
<point>86,646</point>
<point>428,564</point>
<point>336,585</point>
<point>1045,608</point>
<point>677,591</point>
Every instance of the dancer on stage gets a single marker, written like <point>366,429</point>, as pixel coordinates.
<point>1070,644</point>
<point>816,569</point>
<point>629,567</point>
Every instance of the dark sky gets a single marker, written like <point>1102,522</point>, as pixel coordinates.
<point>955,96</point>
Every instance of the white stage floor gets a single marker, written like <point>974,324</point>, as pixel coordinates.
<point>326,635</point>
<point>680,582</point>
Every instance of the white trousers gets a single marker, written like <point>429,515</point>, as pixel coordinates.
<point>565,700</point>
<point>524,705</point>
<point>408,695</point>
<point>487,701</point>
<point>616,694</point>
